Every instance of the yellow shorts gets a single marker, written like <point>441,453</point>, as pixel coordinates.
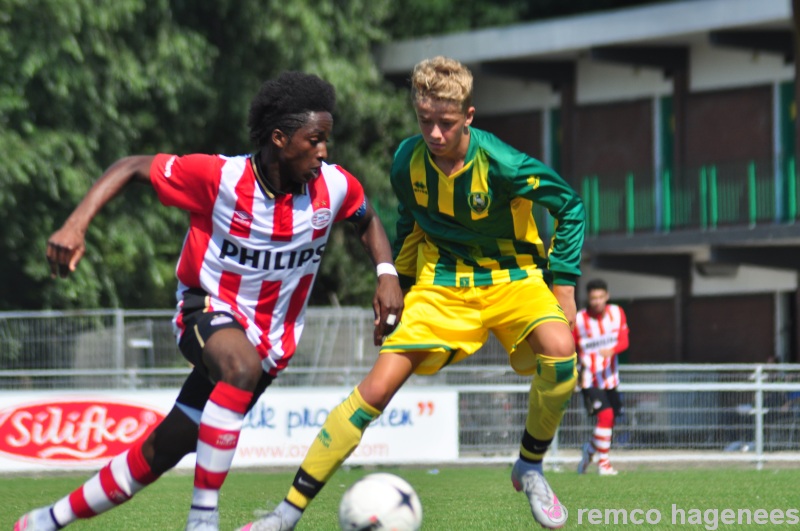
<point>451,323</point>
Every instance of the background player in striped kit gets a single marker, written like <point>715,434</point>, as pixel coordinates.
<point>258,229</point>
<point>468,243</point>
<point>601,333</point>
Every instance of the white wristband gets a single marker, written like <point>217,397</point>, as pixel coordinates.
<point>385,268</point>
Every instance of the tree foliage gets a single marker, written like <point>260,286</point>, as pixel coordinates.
<point>86,82</point>
<point>416,18</point>
<point>330,38</point>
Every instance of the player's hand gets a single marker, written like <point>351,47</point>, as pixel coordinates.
<point>65,248</point>
<point>388,307</point>
<point>565,295</point>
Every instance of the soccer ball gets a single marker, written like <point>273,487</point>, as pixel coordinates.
<point>380,501</point>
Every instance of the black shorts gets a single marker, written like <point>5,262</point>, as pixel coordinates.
<point>596,400</point>
<point>199,326</point>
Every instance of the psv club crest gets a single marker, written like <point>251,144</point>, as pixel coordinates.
<point>479,202</point>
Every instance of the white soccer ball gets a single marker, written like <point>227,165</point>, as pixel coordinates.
<point>380,501</point>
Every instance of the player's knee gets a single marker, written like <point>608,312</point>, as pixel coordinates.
<point>241,369</point>
<point>148,448</point>
<point>560,346</point>
<point>231,358</point>
<point>162,462</point>
<point>553,340</point>
<point>242,373</point>
<point>376,394</point>
<point>168,444</point>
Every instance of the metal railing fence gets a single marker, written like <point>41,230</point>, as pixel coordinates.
<point>734,411</point>
<point>715,195</point>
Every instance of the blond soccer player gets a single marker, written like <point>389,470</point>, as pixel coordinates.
<point>469,251</point>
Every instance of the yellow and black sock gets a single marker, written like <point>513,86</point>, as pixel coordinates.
<point>340,435</point>
<point>551,389</point>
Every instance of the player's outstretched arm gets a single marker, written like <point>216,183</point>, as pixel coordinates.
<point>66,246</point>
<point>387,302</point>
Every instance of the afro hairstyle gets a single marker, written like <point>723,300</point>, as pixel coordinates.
<point>284,103</point>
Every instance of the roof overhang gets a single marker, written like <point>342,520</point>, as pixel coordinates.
<point>567,39</point>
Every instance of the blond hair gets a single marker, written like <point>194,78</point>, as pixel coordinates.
<point>442,78</point>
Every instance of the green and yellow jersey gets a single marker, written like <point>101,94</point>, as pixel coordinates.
<point>476,227</point>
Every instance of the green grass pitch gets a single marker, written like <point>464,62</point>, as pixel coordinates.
<point>460,498</point>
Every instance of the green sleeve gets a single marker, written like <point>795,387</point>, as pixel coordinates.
<point>542,185</point>
<point>408,234</point>
<point>404,248</point>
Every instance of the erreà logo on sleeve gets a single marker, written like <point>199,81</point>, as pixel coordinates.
<point>74,430</point>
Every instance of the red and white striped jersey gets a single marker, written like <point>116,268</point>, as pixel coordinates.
<point>254,253</point>
<point>593,333</point>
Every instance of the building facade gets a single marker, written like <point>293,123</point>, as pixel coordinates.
<point>677,124</point>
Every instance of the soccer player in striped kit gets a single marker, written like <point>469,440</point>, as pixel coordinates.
<point>601,333</point>
<point>469,245</point>
<point>258,229</point>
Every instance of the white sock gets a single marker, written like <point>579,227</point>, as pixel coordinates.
<point>524,466</point>
<point>201,511</point>
<point>289,513</point>
<point>42,519</point>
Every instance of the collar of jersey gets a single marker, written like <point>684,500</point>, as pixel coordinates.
<point>465,168</point>
<point>468,158</point>
<point>266,187</point>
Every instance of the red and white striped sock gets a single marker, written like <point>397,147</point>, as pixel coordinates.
<point>113,485</point>
<point>601,438</point>
<point>220,425</point>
